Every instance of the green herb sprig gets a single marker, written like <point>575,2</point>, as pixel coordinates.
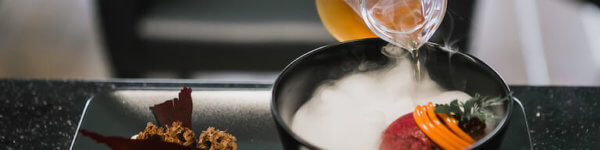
<point>476,107</point>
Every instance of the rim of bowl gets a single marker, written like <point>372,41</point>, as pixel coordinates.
<point>277,117</point>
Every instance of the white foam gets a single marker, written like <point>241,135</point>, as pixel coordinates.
<point>353,112</point>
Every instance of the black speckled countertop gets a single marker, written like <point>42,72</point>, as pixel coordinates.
<point>43,114</point>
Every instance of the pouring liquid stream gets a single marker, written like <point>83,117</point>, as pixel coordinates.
<point>398,22</point>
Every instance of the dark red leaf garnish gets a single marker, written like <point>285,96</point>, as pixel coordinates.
<point>175,110</point>
<point>119,143</point>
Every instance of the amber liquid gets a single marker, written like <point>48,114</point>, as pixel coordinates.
<point>341,21</point>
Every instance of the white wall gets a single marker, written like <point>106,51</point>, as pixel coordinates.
<point>49,39</point>
<point>539,42</point>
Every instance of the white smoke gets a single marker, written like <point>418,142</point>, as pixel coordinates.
<point>353,112</point>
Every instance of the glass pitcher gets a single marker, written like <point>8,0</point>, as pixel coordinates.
<point>406,23</point>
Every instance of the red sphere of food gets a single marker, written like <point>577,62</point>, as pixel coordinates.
<point>404,134</point>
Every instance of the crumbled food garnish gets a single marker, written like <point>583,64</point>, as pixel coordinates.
<point>210,139</point>
<point>214,139</point>
<point>175,133</point>
<point>151,132</point>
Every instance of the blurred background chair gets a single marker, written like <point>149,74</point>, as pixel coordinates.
<point>187,38</point>
<point>190,37</point>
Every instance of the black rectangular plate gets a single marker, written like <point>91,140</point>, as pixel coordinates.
<point>243,112</point>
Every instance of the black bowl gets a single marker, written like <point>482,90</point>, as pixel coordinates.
<point>453,71</point>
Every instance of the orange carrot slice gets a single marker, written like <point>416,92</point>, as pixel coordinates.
<point>445,131</point>
<point>419,117</point>
<point>437,130</point>
<point>453,125</point>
